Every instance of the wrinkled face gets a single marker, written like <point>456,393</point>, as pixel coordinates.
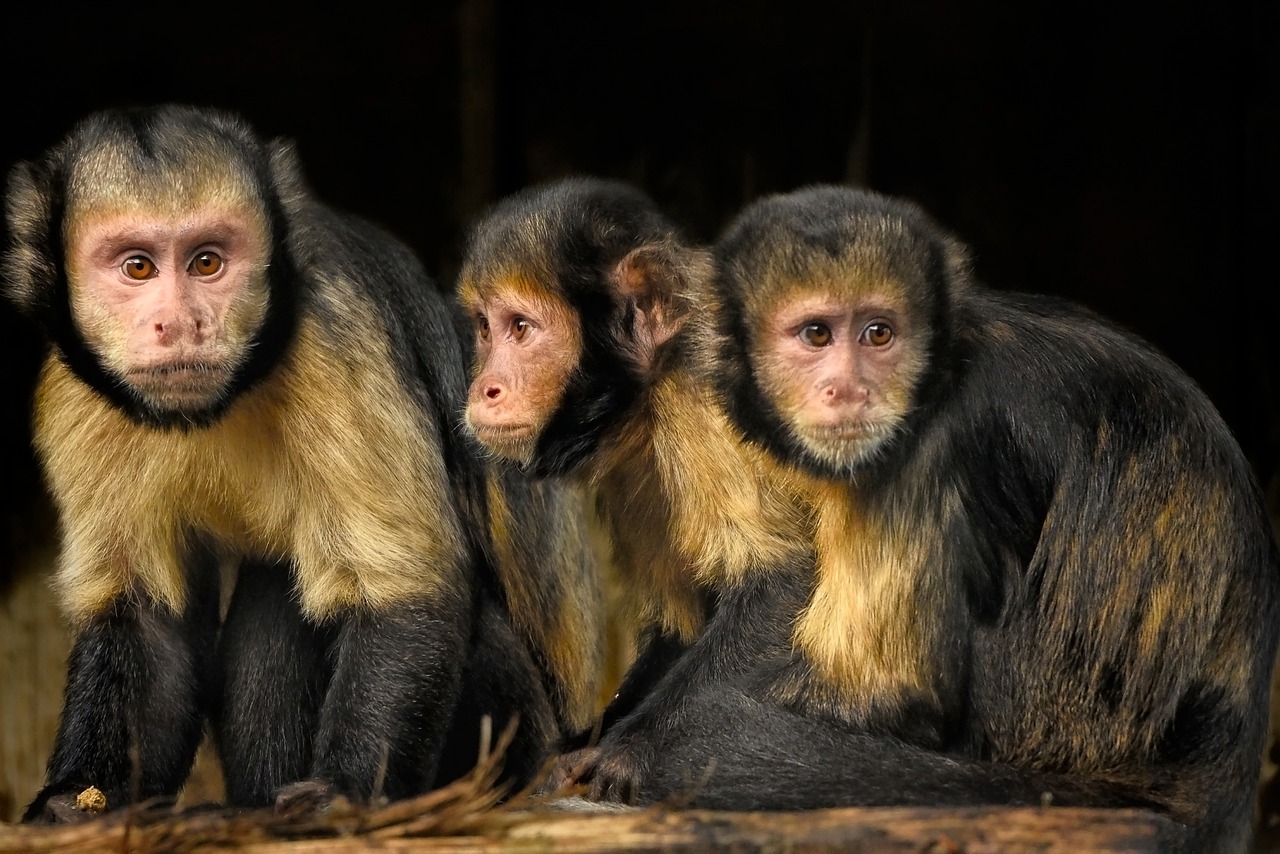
<point>167,283</point>
<point>840,367</point>
<point>528,343</point>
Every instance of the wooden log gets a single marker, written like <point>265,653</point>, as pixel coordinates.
<point>887,829</point>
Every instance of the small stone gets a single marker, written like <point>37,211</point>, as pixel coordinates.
<point>91,800</point>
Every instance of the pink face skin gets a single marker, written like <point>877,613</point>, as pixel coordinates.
<point>526,349</point>
<point>840,374</point>
<point>169,303</point>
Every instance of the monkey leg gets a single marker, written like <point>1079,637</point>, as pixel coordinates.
<point>750,623</point>
<point>502,682</point>
<point>274,670</point>
<point>394,691</point>
<point>133,709</point>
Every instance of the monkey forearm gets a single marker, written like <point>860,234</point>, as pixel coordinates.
<point>132,719</point>
<point>395,670</point>
<point>751,623</point>
<point>732,751</point>
<point>658,652</point>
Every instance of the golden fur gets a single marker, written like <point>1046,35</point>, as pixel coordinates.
<point>689,506</point>
<point>326,460</point>
<point>866,631</point>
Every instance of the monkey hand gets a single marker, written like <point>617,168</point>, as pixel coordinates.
<point>305,796</point>
<point>563,773</point>
<point>611,771</point>
<point>58,809</point>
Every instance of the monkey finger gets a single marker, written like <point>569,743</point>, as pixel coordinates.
<point>305,796</point>
<point>617,775</point>
<point>567,770</point>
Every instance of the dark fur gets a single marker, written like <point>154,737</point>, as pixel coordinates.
<point>369,702</point>
<point>136,697</point>
<point>1093,476</point>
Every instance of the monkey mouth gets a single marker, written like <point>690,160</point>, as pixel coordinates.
<point>510,441</point>
<point>843,431</point>
<point>180,384</point>
<point>844,445</point>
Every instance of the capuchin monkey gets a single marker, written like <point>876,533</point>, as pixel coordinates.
<point>1044,568</point>
<point>580,291</point>
<point>243,379</point>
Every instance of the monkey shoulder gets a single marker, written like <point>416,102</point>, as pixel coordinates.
<point>1053,408</point>
<point>1054,371</point>
<point>365,286</point>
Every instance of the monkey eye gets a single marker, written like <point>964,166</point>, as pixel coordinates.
<point>482,327</point>
<point>205,264</point>
<point>138,267</point>
<point>877,334</point>
<point>520,327</point>
<point>816,334</point>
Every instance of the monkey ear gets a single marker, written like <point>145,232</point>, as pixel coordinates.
<point>286,174</point>
<point>958,261</point>
<point>29,263</point>
<point>657,280</point>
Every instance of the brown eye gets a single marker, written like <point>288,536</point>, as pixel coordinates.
<point>205,264</point>
<point>877,334</point>
<point>138,267</point>
<point>482,327</point>
<point>519,328</point>
<point>816,334</point>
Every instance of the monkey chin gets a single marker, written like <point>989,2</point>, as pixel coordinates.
<point>514,443</point>
<point>176,392</point>
<point>841,449</point>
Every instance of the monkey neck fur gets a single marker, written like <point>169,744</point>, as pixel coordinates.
<point>690,506</point>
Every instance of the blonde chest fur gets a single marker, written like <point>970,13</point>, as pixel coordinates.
<point>869,631</point>
<point>325,462</point>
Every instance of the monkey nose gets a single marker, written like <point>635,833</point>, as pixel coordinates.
<point>175,329</point>
<point>837,393</point>
<point>165,332</point>
<point>493,392</point>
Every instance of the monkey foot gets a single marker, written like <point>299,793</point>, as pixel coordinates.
<point>306,796</point>
<point>62,809</point>
<point>609,772</point>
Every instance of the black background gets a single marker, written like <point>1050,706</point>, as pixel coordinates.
<point>1124,155</point>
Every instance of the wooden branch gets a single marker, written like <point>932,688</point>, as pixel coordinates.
<point>501,831</point>
<point>471,815</point>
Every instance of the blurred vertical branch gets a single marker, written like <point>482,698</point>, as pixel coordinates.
<point>857,170</point>
<point>477,108</point>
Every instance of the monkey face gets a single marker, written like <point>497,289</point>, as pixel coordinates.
<point>576,287</point>
<point>831,318</point>
<point>527,345</point>
<point>169,300</point>
<point>839,370</point>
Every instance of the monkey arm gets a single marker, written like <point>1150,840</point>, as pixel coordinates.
<point>134,705</point>
<point>751,623</point>
<point>731,751</point>
<point>501,682</point>
<point>658,651</point>
<point>395,687</point>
